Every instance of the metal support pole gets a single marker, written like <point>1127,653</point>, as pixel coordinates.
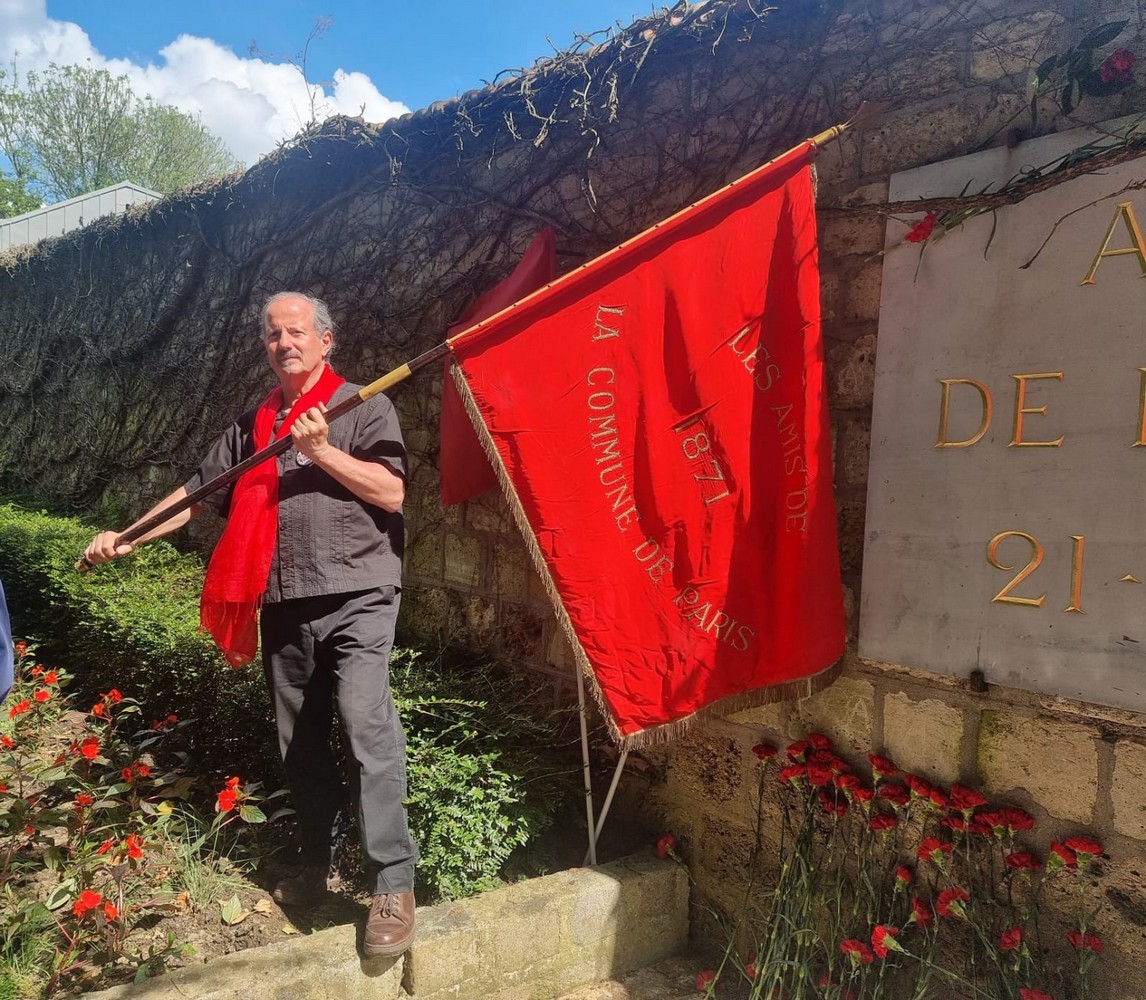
<point>609,798</point>
<point>583,710</point>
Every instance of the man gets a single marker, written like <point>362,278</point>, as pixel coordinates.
<point>316,541</point>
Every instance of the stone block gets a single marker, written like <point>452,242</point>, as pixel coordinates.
<point>706,768</point>
<point>424,555</point>
<point>320,966</point>
<point>1128,789</point>
<point>862,291</point>
<point>558,652</point>
<point>844,233</point>
<point>1055,762</point>
<point>462,560</point>
<point>770,717</point>
<point>842,712</point>
<point>511,571</point>
<point>856,453</point>
<point>851,368</point>
<point>489,512</point>
<point>923,737</point>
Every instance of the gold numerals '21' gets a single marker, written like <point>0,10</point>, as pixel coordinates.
<point>1004,596</point>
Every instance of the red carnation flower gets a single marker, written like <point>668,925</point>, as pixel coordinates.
<point>793,773</point>
<point>833,805</point>
<point>1118,67</point>
<point>666,846</point>
<point>1085,942</point>
<point>798,751</point>
<point>1011,938</point>
<point>764,751</point>
<point>1027,993</point>
<point>857,950</point>
<point>950,902</point>
<point>819,741</point>
<point>956,823</point>
<point>883,940</point>
<point>1023,861</point>
<point>933,849</point>
<point>42,695</point>
<point>920,232</point>
<point>704,979</point>
<point>897,795</point>
<point>922,913</point>
<point>1085,845</point>
<point>904,875</point>
<point>861,794</point>
<point>882,767</point>
<point>919,786</point>
<point>1061,856</point>
<point>965,799</point>
<point>846,783</point>
<point>750,970</point>
<point>881,823</point>
<point>819,775</point>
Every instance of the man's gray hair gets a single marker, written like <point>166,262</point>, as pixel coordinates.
<point>320,313</point>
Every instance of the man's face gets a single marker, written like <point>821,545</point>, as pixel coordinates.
<point>294,348</point>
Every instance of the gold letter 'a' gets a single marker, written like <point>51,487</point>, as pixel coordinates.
<point>1124,210</point>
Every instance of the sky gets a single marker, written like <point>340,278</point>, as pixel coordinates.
<point>230,61</point>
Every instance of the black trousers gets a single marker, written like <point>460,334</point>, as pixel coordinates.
<point>334,650</point>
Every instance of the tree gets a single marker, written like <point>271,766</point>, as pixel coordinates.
<point>15,198</point>
<point>67,130</point>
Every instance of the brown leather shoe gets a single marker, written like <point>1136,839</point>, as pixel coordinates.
<point>390,925</point>
<point>304,886</point>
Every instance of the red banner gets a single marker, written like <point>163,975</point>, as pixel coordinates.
<point>660,422</point>
<point>465,470</point>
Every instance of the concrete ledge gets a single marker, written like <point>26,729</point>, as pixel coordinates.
<point>529,941</point>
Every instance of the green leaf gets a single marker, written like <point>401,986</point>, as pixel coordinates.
<point>1067,98</point>
<point>61,895</point>
<point>232,911</point>
<point>1046,67</point>
<point>1103,34</point>
<point>251,814</point>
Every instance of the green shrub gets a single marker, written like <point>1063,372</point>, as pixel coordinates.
<point>134,623</point>
<point>483,777</point>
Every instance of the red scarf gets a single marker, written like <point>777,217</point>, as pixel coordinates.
<point>237,574</point>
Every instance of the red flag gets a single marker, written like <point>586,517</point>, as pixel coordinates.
<point>465,470</point>
<point>661,419</point>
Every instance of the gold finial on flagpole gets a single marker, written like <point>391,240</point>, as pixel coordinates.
<point>868,114</point>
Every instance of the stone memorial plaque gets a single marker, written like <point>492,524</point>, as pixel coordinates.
<point>1006,517</point>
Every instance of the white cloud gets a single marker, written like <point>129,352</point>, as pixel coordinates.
<point>250,103</point>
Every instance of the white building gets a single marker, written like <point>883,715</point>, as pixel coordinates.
<point>64,216</point>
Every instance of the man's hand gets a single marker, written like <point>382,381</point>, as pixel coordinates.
<point>309,432</point>
<point>103,549</point>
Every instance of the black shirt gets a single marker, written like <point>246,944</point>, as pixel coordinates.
<point>329,541</point>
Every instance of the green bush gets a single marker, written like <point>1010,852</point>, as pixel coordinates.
<point>483,777</point>
<point>134,623</point>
